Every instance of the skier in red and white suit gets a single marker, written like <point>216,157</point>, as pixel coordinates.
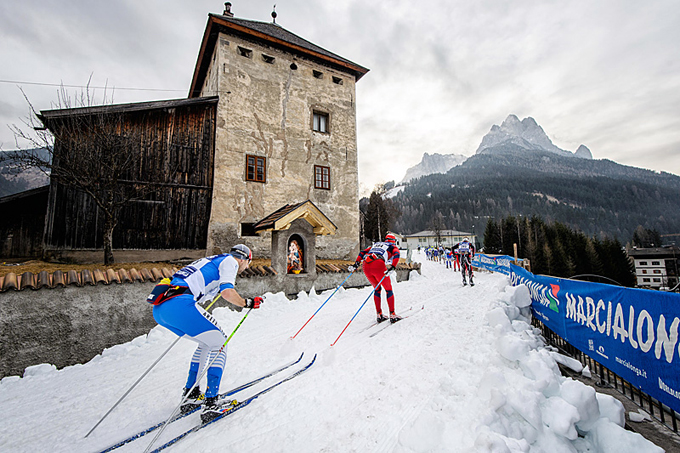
<point>378,260</point>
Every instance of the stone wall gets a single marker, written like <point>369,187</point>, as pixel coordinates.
<point>68,325</point>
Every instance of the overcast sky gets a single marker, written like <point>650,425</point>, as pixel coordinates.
<point>602,73</point>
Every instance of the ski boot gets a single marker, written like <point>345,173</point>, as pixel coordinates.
<point>464,282</point>
<point>471,282</point>
<point>211,410</point>
<point>194,400</point>
<point>381,318</point>
<point>394,318</point>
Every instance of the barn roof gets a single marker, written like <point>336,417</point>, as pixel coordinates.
<point>47,115</point>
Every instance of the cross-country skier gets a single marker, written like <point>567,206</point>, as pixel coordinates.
<point>378,260</point>
<point>465,252</point>
<point>176,307</point>
<point>449,258</point>
<point>456,260</point>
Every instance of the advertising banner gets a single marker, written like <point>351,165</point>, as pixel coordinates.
<point>496,263</point>
<point>633,332</point>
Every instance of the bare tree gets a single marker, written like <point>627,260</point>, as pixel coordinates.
<point>438,226</point>
<point>89,148</point>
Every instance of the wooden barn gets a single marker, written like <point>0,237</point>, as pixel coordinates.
<point>23,223</point>
<point>173,172</point>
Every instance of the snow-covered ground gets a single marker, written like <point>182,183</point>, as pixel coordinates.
<point>466,373</point>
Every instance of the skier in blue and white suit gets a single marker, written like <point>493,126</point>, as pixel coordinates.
<point>178,309</point>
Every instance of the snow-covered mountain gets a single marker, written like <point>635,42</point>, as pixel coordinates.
<point>526,134</point>
<point>433,163</point>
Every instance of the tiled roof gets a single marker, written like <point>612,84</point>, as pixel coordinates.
<point>268,221</point>
<point>283,217</point>
<point>87,277</point>
<point>278,32</point>
<point>270,34</point>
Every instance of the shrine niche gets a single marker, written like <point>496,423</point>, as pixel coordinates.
<point>296,253</point>
<point>294,229</point>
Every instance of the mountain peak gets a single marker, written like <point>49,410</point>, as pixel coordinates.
<point>583,152</point>
<point>525,134</point>
<point>434,163</point>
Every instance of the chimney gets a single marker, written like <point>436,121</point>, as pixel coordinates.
<point>227,10</point>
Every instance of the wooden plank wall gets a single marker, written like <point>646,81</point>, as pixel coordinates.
<point>176,150</point>
<point>22,225</point>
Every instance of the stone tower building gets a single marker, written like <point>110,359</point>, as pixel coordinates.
<point>285,132</point>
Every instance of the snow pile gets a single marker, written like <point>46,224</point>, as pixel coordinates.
<point>465,372</point>
<point>532,407</point>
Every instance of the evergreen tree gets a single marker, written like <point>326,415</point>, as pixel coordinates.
<point>645,238</point>
<point>379,215</point>
<point>492,238</point>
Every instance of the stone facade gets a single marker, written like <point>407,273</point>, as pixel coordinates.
<point>267,100</point>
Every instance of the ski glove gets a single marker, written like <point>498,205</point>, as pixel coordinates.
<point>390,270</point>
<point>354,266</point>
<point>255,302</point>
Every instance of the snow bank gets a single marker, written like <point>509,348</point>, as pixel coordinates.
<point>532,407</point>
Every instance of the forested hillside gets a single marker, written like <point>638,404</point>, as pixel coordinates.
<point>597,197</point>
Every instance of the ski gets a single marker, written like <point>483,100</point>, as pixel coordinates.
<point>376,323</point>
<point>402,318</point>
<point>221,396</point>
<point>230,407</point>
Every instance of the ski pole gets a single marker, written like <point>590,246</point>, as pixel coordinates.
<point>133,386</point>
<point>317,310</point>
<point>165,424</point>
<point>362,306</point>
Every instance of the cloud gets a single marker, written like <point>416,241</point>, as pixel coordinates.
<point>603,73</point>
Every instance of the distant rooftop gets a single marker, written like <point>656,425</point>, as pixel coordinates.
<point>443,233</point>
<point>668,251</point>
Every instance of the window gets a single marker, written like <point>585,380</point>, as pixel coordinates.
<point>268,59</point>
<point>245,52</point>
<point>322,177</point>
<point>320,122</point>
<point>655,263</point>
<point>317,74</point>
<point>248,229</point>
<point>657,271</point>
<point>644,271</point>
<point>643,263</point>
<point>337,80</point>
<point>646,280</point>
<point>657,280</point>
<point>256,168</point>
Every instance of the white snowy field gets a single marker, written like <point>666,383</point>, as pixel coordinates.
<point>466,373</point>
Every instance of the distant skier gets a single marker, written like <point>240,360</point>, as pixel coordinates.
<point>379,260</point>
<point>449,258</point>
<point>456,260</point>
<point>465,252</point>
<point>176,307</point>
